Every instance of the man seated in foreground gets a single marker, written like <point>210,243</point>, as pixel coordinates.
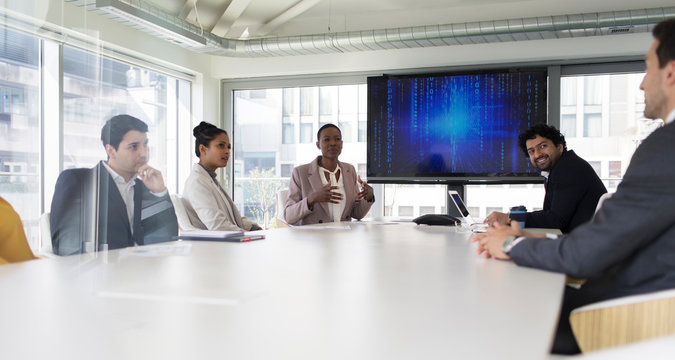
<point>629,247</point>
<point>572,186</point>
<point>117,203</point>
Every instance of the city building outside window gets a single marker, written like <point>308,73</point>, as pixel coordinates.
<point>268,160</point>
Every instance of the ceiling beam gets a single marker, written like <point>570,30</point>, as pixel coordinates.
<point>229,16</point>
<point>287,15</point>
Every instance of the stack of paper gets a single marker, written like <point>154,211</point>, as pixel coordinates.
<point>208,235</point>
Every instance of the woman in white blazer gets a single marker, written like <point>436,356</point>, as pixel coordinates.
<point>213,205</point>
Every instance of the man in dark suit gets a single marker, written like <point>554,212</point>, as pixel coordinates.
<point>629,247</point>
<point>118,203</point>
<point>572,186</point>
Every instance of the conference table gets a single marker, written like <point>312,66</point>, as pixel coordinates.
<point>359,290</point>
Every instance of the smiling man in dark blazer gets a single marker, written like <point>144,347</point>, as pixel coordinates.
<point>118,203</point>
<point>629,246</point>
<point>572,186</point>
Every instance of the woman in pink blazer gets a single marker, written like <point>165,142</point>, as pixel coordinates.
<point>326,189</point>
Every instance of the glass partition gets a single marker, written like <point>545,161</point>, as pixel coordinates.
<point>20,127</point>
<point>34,113</point>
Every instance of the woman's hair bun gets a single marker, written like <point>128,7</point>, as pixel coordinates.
<point>201,127</point>
<point>204,133</point>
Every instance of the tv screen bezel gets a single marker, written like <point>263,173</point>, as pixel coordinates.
<point>457,178</point>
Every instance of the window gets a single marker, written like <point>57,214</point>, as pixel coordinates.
<point>258,94</point>
<point>593,90</point>
<point>568,125</point>
<point>361,170</point>
<point>306,133</point>
<point>481,200</point>
<point>286,170</point>
<point>620,115</point>
<point>592,125</point>
<point>268,160</point>
<point>346,128</point>
<point>327,98</point>
<point>288,133</point>
<point>597,166</point>
<point>289,105</point>
<point>490,209</point>
<point>405,211</point>
<point>411,196</point>
<point>427,210</point>
<point>362,131</point>
<point>613,126</point>
<point>568,95</point>
<point>19,119</point>
<point>307,101</point>
<point>614,173</point>
<point>363,114</point>
<point>95,88</point>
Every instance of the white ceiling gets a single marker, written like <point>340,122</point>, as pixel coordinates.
<point>249,19</point>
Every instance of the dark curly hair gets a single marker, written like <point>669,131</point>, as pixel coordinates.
<point>205,133</point>
<point>543,130</point>
<point>664,32</point>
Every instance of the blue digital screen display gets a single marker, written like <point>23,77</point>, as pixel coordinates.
<point>453,126</point>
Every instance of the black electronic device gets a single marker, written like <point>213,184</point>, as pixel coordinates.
<point>454,128</point>
<point>437,219</point>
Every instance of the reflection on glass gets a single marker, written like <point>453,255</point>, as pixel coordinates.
<point>97,88</point>
<point>19,128</point>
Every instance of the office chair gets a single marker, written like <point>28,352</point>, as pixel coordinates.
<point>624,320</point>
<point>282,196</point>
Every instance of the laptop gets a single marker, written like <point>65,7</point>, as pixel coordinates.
<point>463,211</point>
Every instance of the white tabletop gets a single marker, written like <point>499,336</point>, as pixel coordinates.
<point>373,291</point>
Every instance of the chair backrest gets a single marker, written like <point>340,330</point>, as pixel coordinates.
<point>624,320</point>
<point>282,196</point>
<point>45,246</point>
<point>187,217</point>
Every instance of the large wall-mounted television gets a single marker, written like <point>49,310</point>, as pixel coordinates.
<point>454,128</point>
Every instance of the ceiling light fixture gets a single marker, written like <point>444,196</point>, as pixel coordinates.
<point>166,29</point>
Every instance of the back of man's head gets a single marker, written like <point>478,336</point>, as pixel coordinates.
<point>114,129</point>
<point>543,130</point>
<point>664,32</point>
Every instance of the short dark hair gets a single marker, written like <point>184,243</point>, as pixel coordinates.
<point>543,130</point>
<point>204,133</point>
<point>117,126</point>
<point>326,126</point>
<point>664,32</point>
